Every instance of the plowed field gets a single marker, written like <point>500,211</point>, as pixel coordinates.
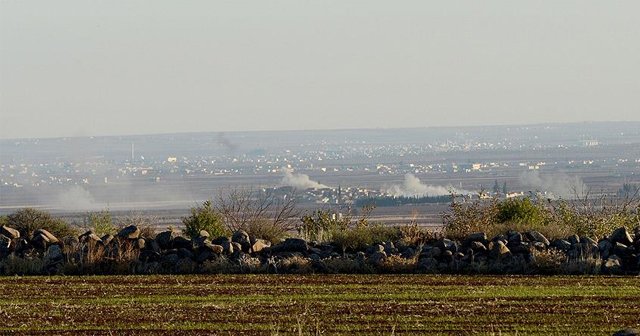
<point>326,304</point>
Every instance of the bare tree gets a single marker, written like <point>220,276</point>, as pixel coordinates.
<point>262,213</point>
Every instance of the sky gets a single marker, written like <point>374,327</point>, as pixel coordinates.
<point>84,68</point>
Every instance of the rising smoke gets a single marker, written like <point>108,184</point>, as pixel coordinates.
<point>412,187</point>
<point>559,185</point>
<point>76,198</point>
<point>299,181</point>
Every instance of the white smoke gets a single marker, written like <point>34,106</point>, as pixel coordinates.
<point>560,185</point>
<point>412,187</point>
<point>299,181</point>
<point>76,198</point>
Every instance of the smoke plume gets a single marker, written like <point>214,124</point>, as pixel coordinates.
<point>76,198</point>
<point>299,181</point>
<point>412,187</point>
<point>560,185</point>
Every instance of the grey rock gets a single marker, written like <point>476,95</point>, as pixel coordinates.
<point>477,237</point>
<point>165,239</point>
<point>241,237</point>
<point>291,245</point>
<point>561,244</point>
<point>536,236</point>
<point>378,258</point>
<point>613,265</point>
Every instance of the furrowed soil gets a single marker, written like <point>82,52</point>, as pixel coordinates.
<point>318,304</point>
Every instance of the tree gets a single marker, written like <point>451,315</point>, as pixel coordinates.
<point>28,220</point>
<point>261,214</point>
<point>101,223</point>
<point>496,187</point>
<point>504,188</point>
<point>206,218</point>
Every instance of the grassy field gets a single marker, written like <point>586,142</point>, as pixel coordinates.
<point>327,304</point>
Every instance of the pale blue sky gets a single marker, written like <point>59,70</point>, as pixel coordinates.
<point>133,67</point>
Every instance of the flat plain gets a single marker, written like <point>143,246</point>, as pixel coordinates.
<point>319,304</point>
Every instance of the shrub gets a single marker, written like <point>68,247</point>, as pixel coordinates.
<point>14,265</point>
<point>295,265</point>
<point>397,264</point>
<point>360,237</point>
<point>101,223</point>
<point>28,220</point>
<point>205,218</point>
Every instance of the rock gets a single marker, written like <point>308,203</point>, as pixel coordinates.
<point>428,265</point>
<point>169,260</point>
<point>241,237</point>
<point>573,239</point>
<point>536,236</point>
<point>227,247</point>
<point>627,332</point>
<point>612,265</point>
<point>11,233</point>
<point>51,238</point>
<point>620,250</point>
<point>561,244</point>
<point>259,245</point>
<point>5,242</point>
<point>53,256</point>
<point>182,242</point>
<point>90,238</point>
<point>446,256</point>
<point>374,248</point>
<point>447,244</point>
<point>408,253</point>
<point>477,237</point>
<point>165,239</point>
<point>390,248</point>
<point>588,241</point>
<point>185,253</point>
<point>434,252</point>
<point>42,239</point>
<point>204,233</point>
<point>378,258</point>
<point>499,250</point>
<point>235,247</point>
<point>106,239</point>
<point>514,237</point>
<point>185,266</point>
<point>477,246</point>
<point>5,246</point>
<point>140,243</point>
<point>129,232</point>
<point>622,236</point>
<point>291,245</point>
<point>604,246</point>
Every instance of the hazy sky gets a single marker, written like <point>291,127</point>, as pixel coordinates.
<point>132,67</point>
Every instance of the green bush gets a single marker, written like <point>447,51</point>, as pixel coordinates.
<point>205,218</point>
<point>101,223</point>
<point>28,220</point>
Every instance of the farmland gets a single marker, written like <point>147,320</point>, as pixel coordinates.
<point>312,304</point>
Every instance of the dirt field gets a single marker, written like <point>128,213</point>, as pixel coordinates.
<point>327,304</point>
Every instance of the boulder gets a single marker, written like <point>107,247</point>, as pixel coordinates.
<point>622,236</point>
<point>536,236</point>
<point>140,243</point>
<point>477,237</point>
<point>165,239</point>
<point>241,237</point>
<point>613,265</point>
<point>604,247</point>
<point>561,244</point>
<point>447,244</point>
<point>106,239</point>
<point>129,232</point>
<point>514,237</point>
<point>573,239</point>
<point>53,256</point>
<point>378,258</point>
<point>51,238</point>
<point>477,246</point>
<point>390,248</point>
<point>11,233</point>
<point>291,245</point>
<point>499,250</point>
<point>259,245</point>
<point>182,242</point>
<point>5,245</point>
